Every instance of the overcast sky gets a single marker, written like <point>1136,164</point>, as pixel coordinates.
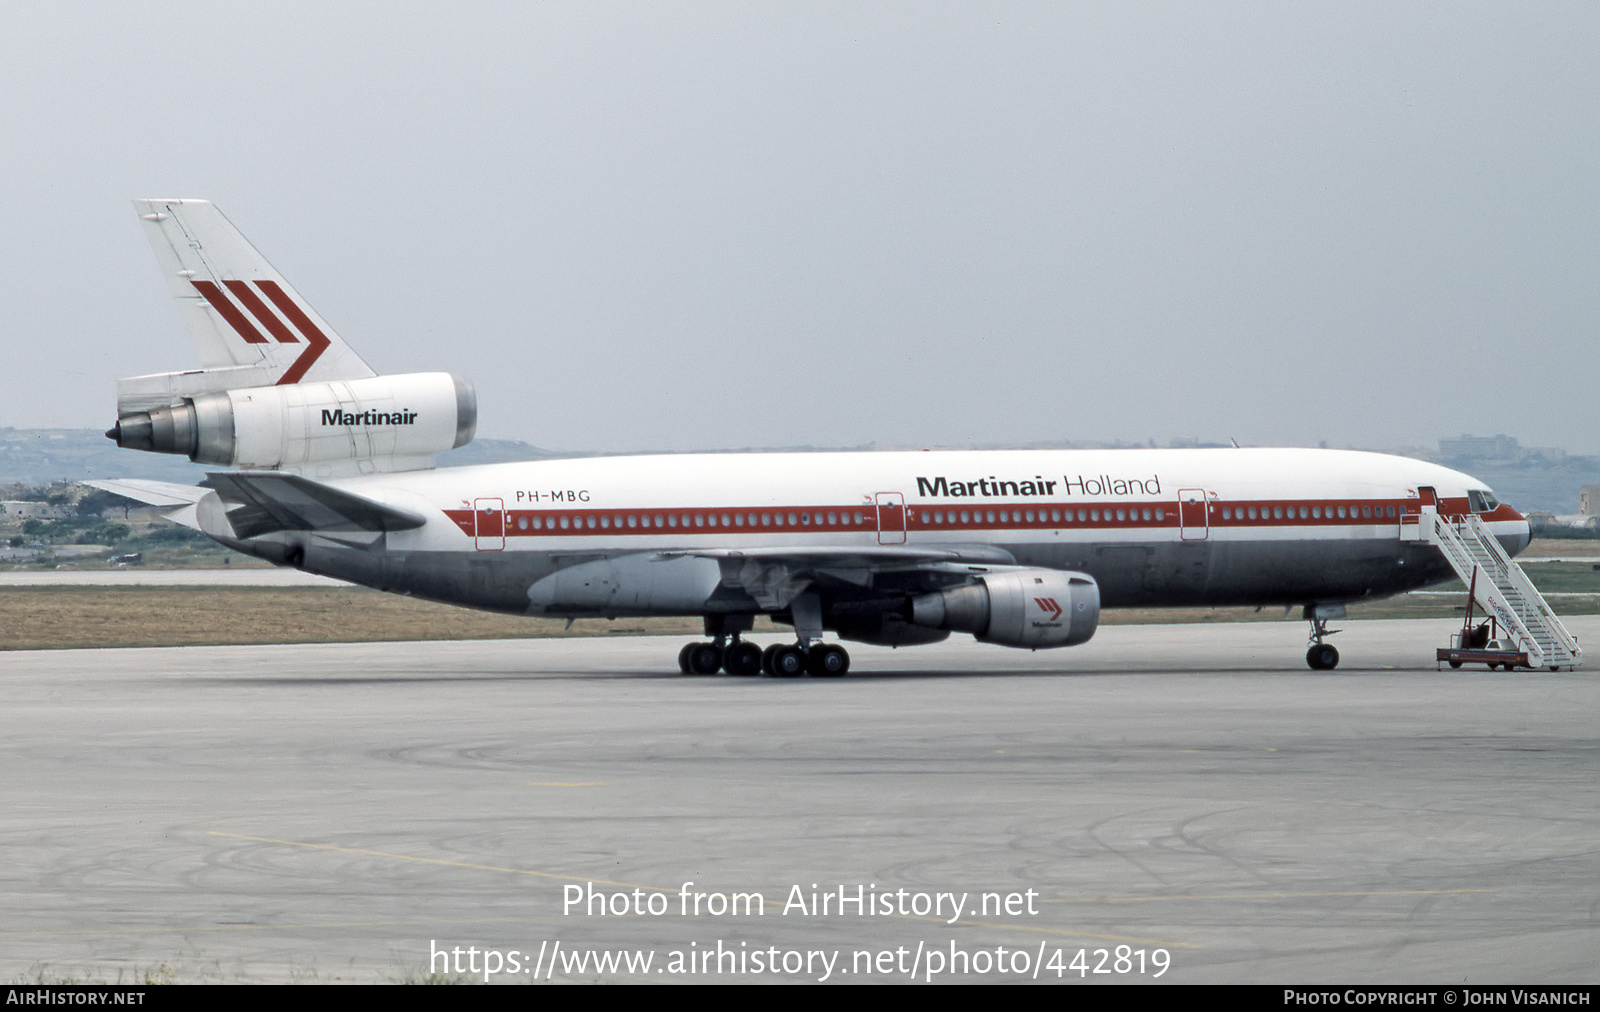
<point>697,225</point>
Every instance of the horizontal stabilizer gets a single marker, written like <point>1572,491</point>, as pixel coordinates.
<point>271,502</point>
<point>151,493</point>
<point>176,502</point>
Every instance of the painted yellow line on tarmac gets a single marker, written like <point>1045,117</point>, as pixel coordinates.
<point>191,929</point>
<point>1270,896</point>
<point>432,860</point>
<point>567,783</point>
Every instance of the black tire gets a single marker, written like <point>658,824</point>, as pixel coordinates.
<point>766,658</point>
<point>705,659</point>
<point>742,659</point>
<point>828,661</point>
<point>788,662</point>
<point>1322,657</point>
<point>1455,664</point>
<point>683,658</point>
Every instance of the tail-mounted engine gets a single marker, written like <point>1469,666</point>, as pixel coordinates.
<point>381,423</point>
<point>1030,608</point>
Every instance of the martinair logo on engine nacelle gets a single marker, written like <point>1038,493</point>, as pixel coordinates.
<point>334,416</point>
<point>1049,606</point>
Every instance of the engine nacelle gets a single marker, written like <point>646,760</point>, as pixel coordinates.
<point>1030,608</point>
<point>383,423</point>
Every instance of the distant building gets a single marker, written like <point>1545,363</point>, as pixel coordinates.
<point>23,510</point>
<point>1500,447</point>
<point>1589,500</point>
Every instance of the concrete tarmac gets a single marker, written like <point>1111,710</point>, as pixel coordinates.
<point>1194,793</point>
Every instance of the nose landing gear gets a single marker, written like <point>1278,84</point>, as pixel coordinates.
<point>1322,656</point>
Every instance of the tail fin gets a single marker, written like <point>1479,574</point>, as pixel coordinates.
<point>251,327</point>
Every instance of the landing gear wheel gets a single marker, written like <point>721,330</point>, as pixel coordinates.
<point>705,658</point>
<point>1455,664</point>
<point>828,661</point>
<point>742,659</point>
<point>788,662</point>
<point>1322,657</point>
<point>683,658</point>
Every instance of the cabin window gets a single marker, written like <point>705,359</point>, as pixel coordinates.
<point>605,521</point>
<point>1094,515</point>
<point>1161,514</point>
<point>1055,516</point>
<point>1316,513</point>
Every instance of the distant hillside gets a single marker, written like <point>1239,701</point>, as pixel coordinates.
<point>42,456</point>
<point>1528,478</point>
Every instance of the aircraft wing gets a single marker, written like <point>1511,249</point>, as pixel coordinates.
<point>773,577</point>
<point>877,557</point>
<point>270,501</point>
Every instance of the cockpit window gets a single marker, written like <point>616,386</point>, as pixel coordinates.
<point>1482,500</point>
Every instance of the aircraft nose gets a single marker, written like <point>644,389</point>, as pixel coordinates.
<point>1519,534</point>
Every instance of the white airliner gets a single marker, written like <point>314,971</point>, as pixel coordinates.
<point>333,474</point>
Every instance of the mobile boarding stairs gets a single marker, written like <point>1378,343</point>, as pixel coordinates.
<point>1529,634</point>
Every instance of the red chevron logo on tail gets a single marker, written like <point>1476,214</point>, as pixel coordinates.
<point>316,341</point>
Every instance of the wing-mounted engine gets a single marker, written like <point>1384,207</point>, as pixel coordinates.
<point>1030,608</point>
<point>378,424</point>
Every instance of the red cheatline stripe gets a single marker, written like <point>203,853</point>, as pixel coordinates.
<point>317,340</point>
<point>1011,517</point>
<point>242,291</point>
<point>229,312</point>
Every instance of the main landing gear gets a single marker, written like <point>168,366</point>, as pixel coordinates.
<point>783,660</point>
<point>728,652</point>
<point>1322,656</point>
